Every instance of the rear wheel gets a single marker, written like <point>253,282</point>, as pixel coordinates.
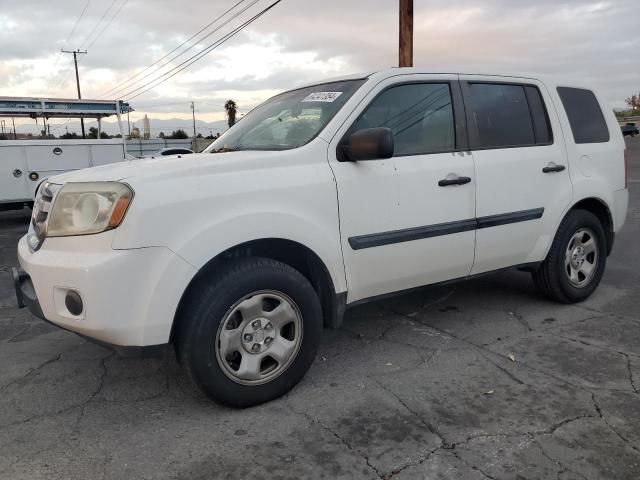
<point>576,261</point>
<point>249,334</point>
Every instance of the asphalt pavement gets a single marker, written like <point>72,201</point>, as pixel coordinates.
<point>479,380</point>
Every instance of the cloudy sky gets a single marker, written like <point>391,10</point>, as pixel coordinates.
<point>300,41</point>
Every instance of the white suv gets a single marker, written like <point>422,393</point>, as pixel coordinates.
<point>320,198</point>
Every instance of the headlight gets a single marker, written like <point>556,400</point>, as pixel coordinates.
<point>87,208</point>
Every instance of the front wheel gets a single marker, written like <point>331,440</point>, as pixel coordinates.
<point>248,334</point>
<point>576,261</point>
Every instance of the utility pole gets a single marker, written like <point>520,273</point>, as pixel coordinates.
<point>15,135</point>
<point>75,61</point>
<point>2,124</point>
<point>406,33</point>
<point>193,113</point>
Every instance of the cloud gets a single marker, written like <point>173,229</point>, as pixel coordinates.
<point>303,40</point>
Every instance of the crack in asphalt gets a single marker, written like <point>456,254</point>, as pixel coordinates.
<point>451,446</point>
<point>611,427</point>
<point>84,404</point>
<point>589,344</point>
<point>563,467</point>
<point>316,421</point>
<point>36,369</point>
<point>473,467</point>
<point>530,367</point>
<point>633,385</point>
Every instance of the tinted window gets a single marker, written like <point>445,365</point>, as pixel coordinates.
<point>420,115</point>
<point>585,117</point>
<point>541,127</point>
<point>501,114</point>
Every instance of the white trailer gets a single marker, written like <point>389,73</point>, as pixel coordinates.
<point>25,164</point>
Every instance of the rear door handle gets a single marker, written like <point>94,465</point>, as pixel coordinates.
<point>453,179</point>
<point>552,167</point>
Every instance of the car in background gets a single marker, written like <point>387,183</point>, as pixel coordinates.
<point>630,129</point>
<point>170,151</point>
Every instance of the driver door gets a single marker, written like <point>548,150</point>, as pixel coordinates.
<point>401,226</point>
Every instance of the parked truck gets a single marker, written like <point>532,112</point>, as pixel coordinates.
<point>25,164</point>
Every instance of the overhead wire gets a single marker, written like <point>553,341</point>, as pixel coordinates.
<point>130,79</point>
<point>95,27</point>
<point>195,58</point>
<point>107,24</point>
<point>156,70</point>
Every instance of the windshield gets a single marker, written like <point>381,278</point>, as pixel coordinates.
<point>288,120</point>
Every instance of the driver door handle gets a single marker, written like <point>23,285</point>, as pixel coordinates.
<point>552,167</point>
<point>454,179</point>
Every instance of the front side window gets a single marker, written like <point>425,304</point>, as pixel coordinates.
<point>585,116</point>
<point>288,120</point>
<point>420,115</point>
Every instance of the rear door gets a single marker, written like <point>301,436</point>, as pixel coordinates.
<point>522,176</point>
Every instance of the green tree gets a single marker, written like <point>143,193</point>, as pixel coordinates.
<point>69,135</point>
<point>232,110</point>
<point>93,133</point>
<point>634,102</point>
<point>179,133</point>
<point>161,135</point>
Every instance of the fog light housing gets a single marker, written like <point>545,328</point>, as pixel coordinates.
<point>73,302</point>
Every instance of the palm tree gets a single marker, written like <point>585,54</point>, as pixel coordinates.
<point>231,109</point>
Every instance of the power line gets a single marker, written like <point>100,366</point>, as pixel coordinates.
<point>234,16</point>
<point>107,24</point>
<point>95,27</point>
<point>76,24</point>
<point>117,87</point>
<point>193,59</point>
<point>73,29</point>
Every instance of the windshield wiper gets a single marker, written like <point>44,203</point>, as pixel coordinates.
<point>227,149</point>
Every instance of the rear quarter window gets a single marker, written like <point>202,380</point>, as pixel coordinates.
<point>585,115</point>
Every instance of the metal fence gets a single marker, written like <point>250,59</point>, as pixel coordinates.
<point>140,147</point>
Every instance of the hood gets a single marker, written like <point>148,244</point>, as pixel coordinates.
<point>173,166</point>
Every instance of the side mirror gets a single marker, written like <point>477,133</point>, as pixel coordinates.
<point>367,144</point>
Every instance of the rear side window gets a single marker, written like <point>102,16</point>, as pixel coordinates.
<point>508,115</point>
<point>585,116</point>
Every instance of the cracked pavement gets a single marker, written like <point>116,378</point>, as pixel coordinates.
<point>480,380</point>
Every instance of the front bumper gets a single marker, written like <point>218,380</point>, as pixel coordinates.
<point>26,296</point>
<point>129,297</point>
<point>25,293</point>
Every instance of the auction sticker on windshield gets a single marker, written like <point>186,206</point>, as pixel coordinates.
<point>322,97</point>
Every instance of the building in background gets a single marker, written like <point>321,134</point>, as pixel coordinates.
<point>146,127</point>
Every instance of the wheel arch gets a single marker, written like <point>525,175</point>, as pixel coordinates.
<point>290,252</point>
<point>601,210</point>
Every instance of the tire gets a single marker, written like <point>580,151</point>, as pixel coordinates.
<point>220,315</point>
<point>558,280</point>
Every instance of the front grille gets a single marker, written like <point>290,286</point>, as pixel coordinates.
<point>41,210</point>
